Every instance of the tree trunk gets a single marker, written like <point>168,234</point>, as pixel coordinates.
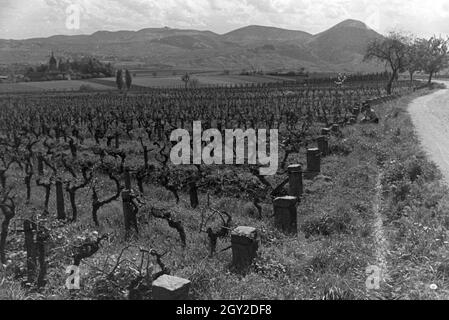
<point>60,201</point>
<point>97,138</point>
<point>145,156</point>
<point>73,149</point>
<point>193,192</point>
<point>40,166</point>
<point>430,78</point>
<point>47,197</point>
<point>73,205</point>
<point>117,141</point>
<point>128,185</point>
<point>390,83</point>
<point>95,215</point>
<point>28,186</point>
<point>127,212</point>
<point>3,179</point>
<point>30,249</point>
<point>3,237</point>
<point>140,185</point>
<point>40,245</point>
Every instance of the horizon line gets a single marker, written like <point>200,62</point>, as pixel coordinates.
<point>186,29</point>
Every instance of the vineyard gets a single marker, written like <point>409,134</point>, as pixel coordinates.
<point>87,181</point>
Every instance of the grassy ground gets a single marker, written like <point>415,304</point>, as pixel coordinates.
<point>46,86</point>
<point>171,81</point>
<point>328,258</point>
<point>415,211</point>
<point>144,81</point>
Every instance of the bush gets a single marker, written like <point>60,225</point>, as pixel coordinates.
<point>86,88</point>
<point>341,147</point>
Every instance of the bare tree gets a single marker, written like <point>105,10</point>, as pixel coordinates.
<point>46,184</point>
<point>119,79</point>
<point>72,188</point>
<point>5,165</point>
<point>393,51</point>
<point>128,79</point>
<point>97,203</point>
<point>186,79</point>
<point>434,54</point>
<point>414,58</point>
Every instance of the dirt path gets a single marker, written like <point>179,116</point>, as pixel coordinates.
<point>430,116</point>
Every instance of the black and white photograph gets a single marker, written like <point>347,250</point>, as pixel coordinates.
<point>224,155</point>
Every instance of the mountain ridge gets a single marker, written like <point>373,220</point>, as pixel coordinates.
<point>339,48</point>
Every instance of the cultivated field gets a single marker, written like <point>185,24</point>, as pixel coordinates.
<point>140,81</point>
<point>204,80</point>
<point>49,86</point>
<point>88,182</point>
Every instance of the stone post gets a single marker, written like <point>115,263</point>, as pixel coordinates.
<point>295,180</point>
<point>323,145</point>
<point>245,242</point>
<point>170,288</point>
<point>285,215</point>
<point>325,131</point>
<point>313,161</point>
<point>335,128</point>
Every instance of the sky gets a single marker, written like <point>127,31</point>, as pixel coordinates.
<point>21,19</point>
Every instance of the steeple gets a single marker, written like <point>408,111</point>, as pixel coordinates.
<point>52,64</point>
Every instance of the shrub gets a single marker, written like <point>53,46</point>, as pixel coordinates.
<point>86,88</point>
<point>341,147</point>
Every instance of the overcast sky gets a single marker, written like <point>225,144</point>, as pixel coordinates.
<point>21,19</point>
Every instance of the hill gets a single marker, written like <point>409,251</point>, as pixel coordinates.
<point>343,43</point>
<point>257,34</point>
<point>339,48</point>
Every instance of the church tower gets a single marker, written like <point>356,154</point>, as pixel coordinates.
<point>52,64</point>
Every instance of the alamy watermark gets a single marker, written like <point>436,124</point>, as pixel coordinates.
<point>73,280</point>
<point>73,19</point>
<point>374,274</point>
<point>220,150</point>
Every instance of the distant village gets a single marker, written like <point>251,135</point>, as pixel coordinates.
<point>63,69</point>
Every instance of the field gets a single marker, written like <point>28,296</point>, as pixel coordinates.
<point>88,182</point>
<point>204,80</point>
<point>141,80</point>
<point>48,86</point>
